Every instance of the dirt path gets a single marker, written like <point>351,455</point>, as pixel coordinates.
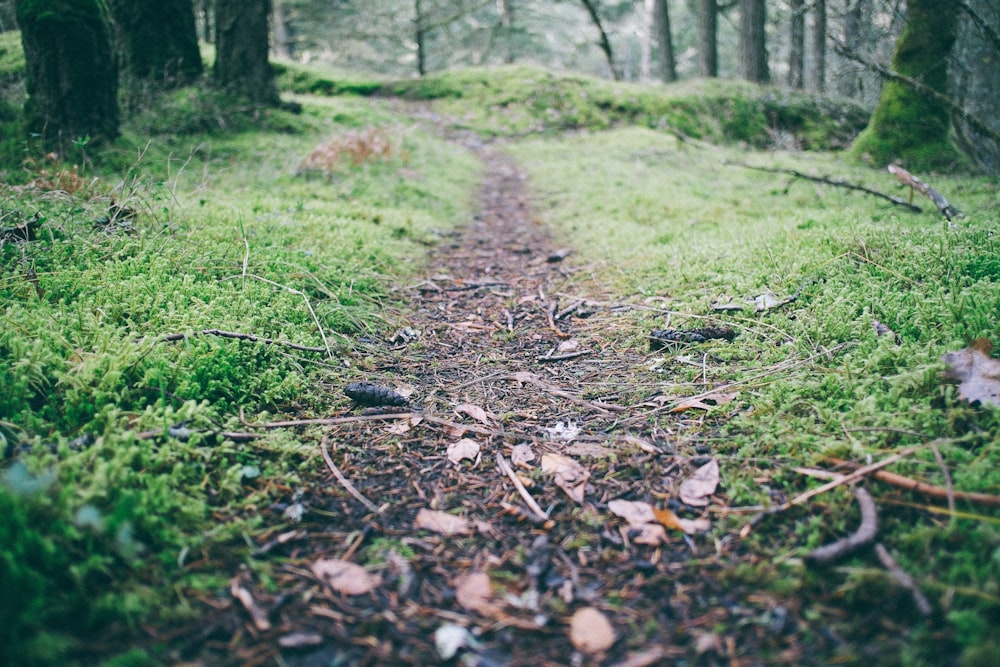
<point>505,356</point>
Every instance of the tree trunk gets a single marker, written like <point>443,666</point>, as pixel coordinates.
<point>507,26</point>
<point>72,77</point>
<point>908,124</point>
<point>708,29</point>
<point>282,40</point>
<point>849,73</point>
<point>208,34</point>
<point>241,43</point>
<point>818,69</point>
<point>646,41</point>
<point>604,42</point>
<point>753,41</point>
<point>421,35</point>
<point>157,40</point>
<point>664,41</point>
<point>797,44</point>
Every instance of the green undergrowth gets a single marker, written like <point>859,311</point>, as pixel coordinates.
<point>521,100</point>
<point>114,479</point>
<point>682,225</point>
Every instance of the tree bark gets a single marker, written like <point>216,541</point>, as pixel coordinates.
<point>664,41</point>
<point>753,41</point>
<point>72,77</point>
<point>818,70</point>
<point>849,83</point>
<point>157,40</point>
<point>241,43</point>
<point>908,124</point>
<point>420,34</point>
<point>604,42</point>
<point>797,44</point>
<point>708,28</point>
<point>282,39</point>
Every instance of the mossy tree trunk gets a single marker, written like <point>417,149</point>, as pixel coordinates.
<point>241,46</point>
<point>907,124</point>
<point>71,73</point>
<point>753,41</point>
<point>797,44</point>
<point>157,40</point>
<point>708,27</point>
<point>664,41</point>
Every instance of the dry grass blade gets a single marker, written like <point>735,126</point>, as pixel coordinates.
<point>350,488</point>
<point>507,470</point>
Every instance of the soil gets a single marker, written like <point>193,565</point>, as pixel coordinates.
<point>507,345</point>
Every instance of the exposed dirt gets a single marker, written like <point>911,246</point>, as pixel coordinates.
<point>497,302</point>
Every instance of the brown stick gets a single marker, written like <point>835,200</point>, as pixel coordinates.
<point>914,183</point>
<point>926,489</point>
<point>507,470</point>
<point>346,483</point>
<point>863,535</point>
<point>239,336</point>
<point>903,579</point>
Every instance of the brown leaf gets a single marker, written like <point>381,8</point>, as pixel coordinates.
<point>476,412</point>
<point>634,512</point>
<point>652,534</point>
<point>591,631</point>
<point>696,489</point>
<point>668,519</point>
<point>569,475</point>
<point>442,522</point>
<point>704,402</point>
<point>344,576</point>
<point>475,592</point>
<point>522,455</point>
<point>977,372</point>
<point>259,616</point>
<point>402,426</point>
<point>466,448</point>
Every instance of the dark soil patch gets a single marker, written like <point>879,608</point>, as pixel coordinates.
<point>496,304</point>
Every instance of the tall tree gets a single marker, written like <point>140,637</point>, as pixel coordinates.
<point>849,79</point>
<point>708,29</point>
<point>797,44</point>
<point>72,77</point>
<point>818,69</point>
<point>241,47</point>
<point>664,41</point>
<point>753,41</point>
<point>604,42</point>
<point>910,123</point>
<point>157,39</point>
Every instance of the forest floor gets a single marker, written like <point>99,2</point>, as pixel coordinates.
<point>507,361</point>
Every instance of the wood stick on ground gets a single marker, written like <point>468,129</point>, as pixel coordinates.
<point>925,489</point>
<point>507,470</point>
<point>834,182</point>
<point>346,483</point>
<point>903,579</point>
<point>914,183</point>
<point>863,535</point>
<point>239,336</point>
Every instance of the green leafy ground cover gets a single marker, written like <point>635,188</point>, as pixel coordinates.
<point>100,524</point>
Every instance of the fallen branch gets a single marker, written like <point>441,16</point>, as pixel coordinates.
<point>914,183</point>
<point>925,489</point>
<point>863,535</point>
<point>903,579</point>
<point>346,483</point>
<point>836,183</point>
<point>239,336</point>
<point>519,485</point>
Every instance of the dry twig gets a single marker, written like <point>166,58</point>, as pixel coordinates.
<point>863,535</point>
<point>928,490</point>
<point>346,483</point>
<point>903,579</point>
<point>535,507</point>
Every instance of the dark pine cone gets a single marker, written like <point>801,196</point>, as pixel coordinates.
<point>366,393</point>
<point>660,338</point>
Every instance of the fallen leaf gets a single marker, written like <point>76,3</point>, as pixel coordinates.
<point>259,616</point>
<point>344,576</point>
<point>704,402</point>
<point>767,301</point>
<point>402,426</point>
<point>476,412</point>
<point>591,449</point>
<point>634,512</point>
<point>977,372</point>
<point>569,475</point>
<point>300,640</point>
<point>450,638</point>
<point>666,518</point>
<point>564,431</point>
<point>652,534</point>
<point>442,522</point>
<point>568,346</point>
<point>645,446</point>
<point>696,489</point>
<point>591,631</point>
<point>475,592</point>
<point>466,448</point>
<point>522,455</point>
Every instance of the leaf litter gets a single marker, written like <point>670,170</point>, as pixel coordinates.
<point>543,545</point>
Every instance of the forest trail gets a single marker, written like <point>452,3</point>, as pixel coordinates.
<point>501,357</point>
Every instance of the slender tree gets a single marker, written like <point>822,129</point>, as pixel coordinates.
<point>753,41</point>
<point>241,44</point>
<point>708,29</point>
<point>604,42</point>
<point>664,41</point>
<point>797,44</point>
<point>157,39</point>
<point>71,74</point>
<point>908,123</point>
<point>818,69</point>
